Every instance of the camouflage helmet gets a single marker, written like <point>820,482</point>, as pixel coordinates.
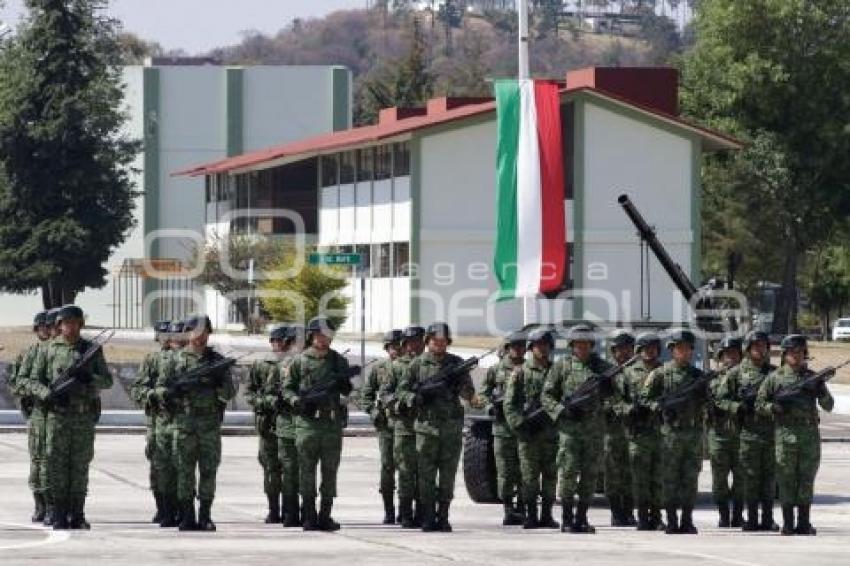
<point>321,325</point>
<point>278,333</point>
<point>728,343</point>
<point>621,337</point>
<point>439,329</point>
<point>541,335</point>
<point>645,339</point>
<point>579,333</point>
<point>69,312</point>
<point>50,319</point>
<point>793,341</point>
<point>40,319</point>
<point>160,328</point>
<point>412,333</point>
<point>681,336</point>
<point>392,337</point>
<point>754,336</point>
<point>197,321</point>
<point>295,333</point>
<point>516,337</point>
<point>176,327</point>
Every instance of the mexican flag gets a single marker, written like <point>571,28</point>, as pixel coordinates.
<point>531,251</point>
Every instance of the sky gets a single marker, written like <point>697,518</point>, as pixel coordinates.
<point>200,25</point>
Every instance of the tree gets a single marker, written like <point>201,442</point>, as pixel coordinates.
<point>827,284</point>
<point>778,70</point>
<point>66,201</point>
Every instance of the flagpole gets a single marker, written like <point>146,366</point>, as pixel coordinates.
<point>523,73</point>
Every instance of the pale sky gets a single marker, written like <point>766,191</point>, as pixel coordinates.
<point>199,25</point>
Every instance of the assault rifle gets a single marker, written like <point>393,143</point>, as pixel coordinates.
<point>674,399</point>
<point>803,391</point>
<point>204,375</point>
<point>443,380</point>
<point>750,392</point>
<point>70,377</point>
<point>535,417</point>
<point>590,390</point>
<point>322,392</point>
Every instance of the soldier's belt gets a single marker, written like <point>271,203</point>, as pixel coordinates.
<point>74,408</point>
<point>798,421</point>
<point>192,411</point>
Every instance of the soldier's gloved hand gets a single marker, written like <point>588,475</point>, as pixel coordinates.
<point>152,398</point>
<point>821,390</point>
<point>82,375</point>
<point>810,386</point>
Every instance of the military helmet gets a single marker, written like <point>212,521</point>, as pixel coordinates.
<point>392,337</point>
<point>321,325</point>
<point>197,321</point>
<point>278,333</point>
<point>580,332</point>
<point>40,319</point>
<point>161,326</point>
<point>50,319</point>
<point>679,336</point>
<point>294,333</point>
<point>621,337</point>
<point>754,336</point>
<point>541,335</point>
<point>69,312</point>
<point>516,337</point>
<point>440,329</point>
<point>176,327</point>
<point>645,339</point>
<point>793,341</point>
<point>412,333</point>
<point>728,343</point>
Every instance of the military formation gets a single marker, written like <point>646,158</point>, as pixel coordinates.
<point>560,426</point>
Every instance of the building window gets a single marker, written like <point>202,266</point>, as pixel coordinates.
<point>346,168</point>
<point>381,260</point>
<point>330,170</point>
<point>401,159</point>
<point>208,188</point>
<point>365,164</point>
<point>383,162</point>
<point>365,260</point>
<point>401,259</point>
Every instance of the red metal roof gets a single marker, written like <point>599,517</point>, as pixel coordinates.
<point>440,111</point>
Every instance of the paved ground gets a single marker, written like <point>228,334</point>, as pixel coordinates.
<point>120,505</point>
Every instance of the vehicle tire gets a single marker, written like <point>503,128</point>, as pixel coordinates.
<point>479,463</point>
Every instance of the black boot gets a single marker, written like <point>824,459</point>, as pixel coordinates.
<point>273,516</point>
<point>157,518</point>
<point>406,509</point>
<point>418,522</point>
<point>767,522</point>
<point>723,511</point>
<point>737,514</point>
<point>77,519</point>
<point>310,521</point>
<point>787,520</point>
<point>655,520</point>
<point>49,514</point>
<point>292,516</point>
<point>389,508</point>
<point>672,522</point>
<point>39,510</point>
<point>629,511</point>
<point>443,516</point>
<point>752,522</point>
<point>326,522</point>
<point>546,519</point>
<point>644,522</point>
<point>531,519</point>
<point>616,512</point>
<point>205,522</point>
<point>187,516</point>
<point>804,525</point>
<point>60,515</point>
<point>511,516</point>
<point>429,520</point>
<point>167,513</point>
<point>580,525</point>
<point>687,527</point>
<point>567,517</point>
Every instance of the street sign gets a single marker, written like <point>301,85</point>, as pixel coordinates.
<point>334,259</point>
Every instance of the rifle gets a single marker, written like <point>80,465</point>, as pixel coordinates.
<point>682,394</point>
<point>69,378</point>
<point>535,417</point>
<point>198,377</point>
<point>750,392</point>
<point>804,390</point>
<point>322,392</point>
<point>445,378</point>
<point>589,391</point>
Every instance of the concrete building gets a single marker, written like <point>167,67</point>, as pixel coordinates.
<point>188,111</point>
<point>415,194</point>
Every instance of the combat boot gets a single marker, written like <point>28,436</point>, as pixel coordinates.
<point>167,516</point>
<point>60,515</point>
<point>310,522</point>
<point>49,514</point>
<point>405,506</point>
<point>752,523</point>
<point>157,518</point>
<point>737,514</point>
<point>787,520</point>
<point>546,519</point>
<point>655,520</point>
<point>567,517</point>
<point>39,510</point>
<point>77,519</point>
<point>511,515</point>
<point>687,527</point>
<point>417,514</point>
<point>723,511</point>
<point>767,522</point>
<point>580,525</point>
<point>429,521</point>
<point>531,521</point>
<point>616,512</point>
<point>326,522</point>
<point>672,522</point>
<point>292,512</point>
<point>389,508</point>
<point>629,511</point>
<point>187,516</point>
<point>644,522</point>
<point>804,526</point>
<point>273,515</point>
<point>205,522</point>
<point>443,517</point>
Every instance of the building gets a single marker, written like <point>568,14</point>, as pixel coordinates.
<point>415,194</point>
<point>189,110</point>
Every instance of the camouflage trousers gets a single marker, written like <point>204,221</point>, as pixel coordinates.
<point>287,454</point>
<point>438,456</point>
<point>797,463</point>
<point>164,457</point>
<point>386,438</point>
<point>197,446</point>
<point>539,470</point>
<point>70,450</point>
<point>681,457</point>
<point>724,454</point>
<point>319,447</point>
<point>645,459</point>
<point>37,444</point>
<point>758,462</point>
<point>267,454</point>
<point>150,452</point>
<point>618,477</point>
<point>404,449</point>
<point>508,473</point>
<point>579,460</point>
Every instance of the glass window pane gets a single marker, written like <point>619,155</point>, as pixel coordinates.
<point>383,162</point>
<point>401,159</point>
<point>365,164</point>
<point>346,167</point>
<point>330,173</point>
<point>365,259</point>
<point>401,259</point>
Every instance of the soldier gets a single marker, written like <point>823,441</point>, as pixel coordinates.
<point>618,479</point>
<point>723,445</point>
<point>535,434</point>
<point>439,424</point>
<point>404,433</point>
<point>757,448</point>
<point>53,332</point>
<point>33,413</point>
<point>139,391</point>
<point>797,434</point>
<point>196,424</point>
<point>261,394</point>
<point>71,415</point>
<point>681,431</point>
<point>580,429</point>
<point>284,428</point>
<point>371,402</point>
<point>314,383</point>
<point>504,440</point>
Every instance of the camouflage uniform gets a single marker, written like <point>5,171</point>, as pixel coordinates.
<point>724,454</point>
<point>404,448</point>
<point>261,395</point>
<point>376,385</point>
<point>287,451</point>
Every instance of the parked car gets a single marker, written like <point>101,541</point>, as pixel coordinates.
<point>841,329</point>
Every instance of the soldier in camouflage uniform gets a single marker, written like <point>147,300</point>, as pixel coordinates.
<point>618,478</point>
<point>372,397</point>
<point>757,456</point>
<point>284,428</point>
<point>71,416</point>
<point>139,392</point>
<point>196,410</point>
<point>404,433</point>
<point>534,431</point>
<point>797,434</point>
<point>681,432</point>
<point>505,446</point>
<point>320,418</point>
<point>439,424</point>
<point>261,395</point>
<point>34,414</point>
<point>643,432</point>
<point>580,430</point>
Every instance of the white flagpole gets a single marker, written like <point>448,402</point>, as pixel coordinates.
<point>523,73</point>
